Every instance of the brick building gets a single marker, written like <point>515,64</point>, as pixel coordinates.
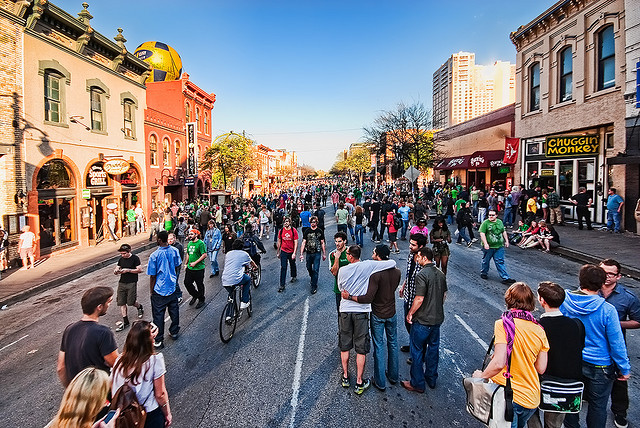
<point>570,111</point>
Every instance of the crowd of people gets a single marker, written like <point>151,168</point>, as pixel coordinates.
<point>580,336</point>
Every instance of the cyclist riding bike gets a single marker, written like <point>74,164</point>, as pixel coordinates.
<point>251,244</point>
<point>234,271</point>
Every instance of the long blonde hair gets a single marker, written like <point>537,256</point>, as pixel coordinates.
<point>83,399</point>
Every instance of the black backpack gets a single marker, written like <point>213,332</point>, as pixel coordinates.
<point>397,222</point>
<point>249,244</point>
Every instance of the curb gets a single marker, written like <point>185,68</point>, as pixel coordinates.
<point>23,295</point>
<point>579,256</point>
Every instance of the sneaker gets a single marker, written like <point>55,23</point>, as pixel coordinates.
<point>314,290</point>
<point>158,345</point>
<point>193,301</point>
<point>620,421</point>
<point>200,304</point>
<point>281,289</point>
<point>469,244</point>
<point>484,276</point>
<point>474,240</point>
<point>508,281</point>
<point>174,336</point>
<point>121,326</point>
<point>180,300</point>
<point>362,387</point>
<point>345,381</point>
<point>294,279</point>
<point>140,311</point>
<point>244,305</point>
<point>405,348</point>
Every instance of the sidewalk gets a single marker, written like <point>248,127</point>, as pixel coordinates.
<point>54,270</point>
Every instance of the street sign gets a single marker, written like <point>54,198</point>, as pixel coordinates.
<point>189,181</point>
<point>412,174</point>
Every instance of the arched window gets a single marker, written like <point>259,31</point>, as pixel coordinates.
<point>178,161</point>
<point>153,150</point>
<point>54,175</point>
<point>606,58</point>
<point>165,152</point>
<point>197,118</point>
<point>97,101</point>
<point>187,112</point>
<point>534,87</point>
<point>566,74</point>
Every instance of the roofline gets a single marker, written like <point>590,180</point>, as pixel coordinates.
<point>544,15</point>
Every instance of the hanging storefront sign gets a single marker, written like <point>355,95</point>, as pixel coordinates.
<point>511,150</point>
<point>97,176</point>
<point>572,145</point>
<point>192,149</point>
<point>116,166</point>
<point>190,181</point>
<point>130,178</point>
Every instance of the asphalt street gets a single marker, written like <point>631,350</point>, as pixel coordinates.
<point>282,367</point>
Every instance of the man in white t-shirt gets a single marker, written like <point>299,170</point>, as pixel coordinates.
<point>233,272</point>
<point>264,216</point>
<point>27,247</point>
<point>139,218</point>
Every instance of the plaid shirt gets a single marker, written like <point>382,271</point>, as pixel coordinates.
<point>413,268</point>
<point>553,200</point>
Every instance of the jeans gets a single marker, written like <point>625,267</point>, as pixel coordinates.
<point>407,326</point>
<point>497,254</point>
<point>380,327</point>
<point>521,415</point>
<point>313,267</point>
<point>424,348</point>
<point>598,382</point>
<point>197,276</point>
<point>613,220</point>
<point>284,256</point>
<point>246,284</point>
<point>619,397</point>
<point>375,236</point>
<point>158,305</point>
<point>462,234</point>
<point>403,231</point>
<point>351,232</point>
<point>482,215</point>
<point>507,218</point>
<point>342,228</point>
<point>140,224</point>
<point>475,208</point>
<point>360,234</point>
<point>450,219</point>
<point>276,232</point>
<point>213,257</point>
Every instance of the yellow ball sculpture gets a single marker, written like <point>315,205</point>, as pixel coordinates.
<point>164,60</point>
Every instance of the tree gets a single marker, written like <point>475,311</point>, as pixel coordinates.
<point>230,155</point>
<point>308,171</point>
<point>359,161</point>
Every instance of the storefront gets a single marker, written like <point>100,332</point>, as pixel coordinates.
<point>483,169</point>
<point>567,162</point>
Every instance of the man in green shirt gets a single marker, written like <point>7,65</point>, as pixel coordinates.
<point>494,240</point>
<point>131,220</point>
<point>194,261</point>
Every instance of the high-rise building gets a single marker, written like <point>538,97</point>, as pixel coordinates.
<point>463,90</point>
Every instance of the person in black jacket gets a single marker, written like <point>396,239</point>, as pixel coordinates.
<point>463,220</point>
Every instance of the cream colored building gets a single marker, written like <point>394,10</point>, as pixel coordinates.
<point>463,90</point>
<point>84,98</point>
<point>570,111</point>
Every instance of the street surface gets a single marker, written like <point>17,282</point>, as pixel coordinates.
<point>282,367</point>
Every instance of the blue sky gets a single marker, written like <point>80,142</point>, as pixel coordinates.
<point>307,75</point>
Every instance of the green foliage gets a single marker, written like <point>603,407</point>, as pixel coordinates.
<point>230,155</point>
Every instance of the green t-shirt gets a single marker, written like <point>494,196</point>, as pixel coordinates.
<point>131,215</point>
<point>343,262</point>
<point>459,203</point>
<point>342,215</point>
<point>195,249</point>
<point>493,231</point>
<point>454,193</point>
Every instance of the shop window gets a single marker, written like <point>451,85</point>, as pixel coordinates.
<point>609,143</point>
<point>533,148</point>
<point>187,112</point>
<point>128,118</point>
<point>177,149</point>
<point>566,74</point>
<point>54,175</point>
<point>534,87</point>
<point>52,98</point>
<point>153,150</point>
<point>565,179</point>
<point>606,58</point>
<point>165,152</point>
<point>586,172</point>
<point>56,204</point>
<point>97,109</point>
<point>532,171</point>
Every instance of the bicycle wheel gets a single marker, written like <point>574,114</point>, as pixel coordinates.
<point>250,307</point>
<point>256,277</point>
<point>228,326</point>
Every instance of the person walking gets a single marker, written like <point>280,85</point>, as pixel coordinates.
<point>494,241</point>
<point>313,243</point>
<point>163,269</point>
<point>128,267</point>
<point>27,247</point>
<point>286,251</point>
<point>426,315</point>
<point>213,242</point>
<point>194,273</point>
<point>342,215</point>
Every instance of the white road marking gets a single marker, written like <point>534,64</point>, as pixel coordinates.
<point>298,371</point>
<point>451,356</point>
<point>13,343</point>
<point>473,333</point>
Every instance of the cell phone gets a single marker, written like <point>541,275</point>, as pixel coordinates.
<point>109,416</point>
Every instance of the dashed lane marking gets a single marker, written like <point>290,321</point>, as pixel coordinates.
<point>14,342</point>
<point>473,333</point>
<point>298,371</point>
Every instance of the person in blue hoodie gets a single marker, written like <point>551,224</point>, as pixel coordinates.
<point>604,353</point>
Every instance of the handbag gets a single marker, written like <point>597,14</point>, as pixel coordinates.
<point>560,395</point>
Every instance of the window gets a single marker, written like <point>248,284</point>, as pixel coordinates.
<point>187,112</point>
<point>177,144</point>
<point>609,141</point>
<point>566,74</point>
<point>52,97</point>
<point>96,109</point>
<point>165,152</point>
<point>606,59</point>
<point>153,150</point>
<point>206,123</point>
<point>197,119</point>
<point>128,118</point>
<point>534,87</point>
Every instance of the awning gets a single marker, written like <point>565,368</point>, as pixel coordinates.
<point>457,162</point>
<point>487,159</point>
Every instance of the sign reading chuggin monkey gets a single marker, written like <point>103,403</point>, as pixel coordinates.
<point>572,145</point>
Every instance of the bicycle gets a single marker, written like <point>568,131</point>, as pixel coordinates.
<point>232,312</point>
<point>256,276</point>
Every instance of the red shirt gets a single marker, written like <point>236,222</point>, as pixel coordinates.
<point>392,228</point>
<point>288,238</point>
